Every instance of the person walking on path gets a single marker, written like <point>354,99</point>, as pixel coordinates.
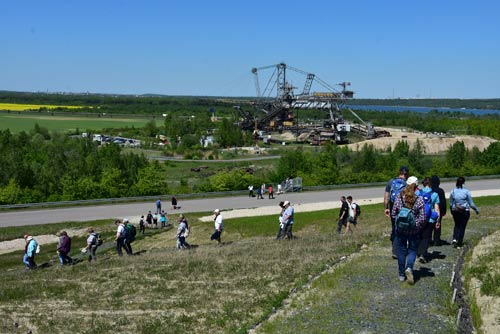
<point>174,202</point>
<point>158,206</point>
<point>63,248</point>
<point>130,234</point>
<point>392,189</point>
<point>431,204</point>
<point>407,238</point>
<point>219,226</point>
<point>121,237</point>
<point>149,219</point>
<point>163,219</point>
<point>30,251</point>
<point>460,204</point>
<point>436,237</point>
<point>250,191</point>
<point>182,233</point>
<point>259,193</point>
<point>343,214</point>
<point>288,219</point>
<point>92,244</point>
<point>155,220</point>
<point>353,214</point>
<point>270,192</point>
<point>142,225</point>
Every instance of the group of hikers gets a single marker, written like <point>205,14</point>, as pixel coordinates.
<point>262,190</point>
<point>416,215</point>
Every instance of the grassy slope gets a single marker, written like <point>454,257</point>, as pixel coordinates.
<point>208,289</point>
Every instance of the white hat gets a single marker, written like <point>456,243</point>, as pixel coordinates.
<point>412,180</point>
<point>125,220</point>
<point>286,203</point>
<point>216,211</point>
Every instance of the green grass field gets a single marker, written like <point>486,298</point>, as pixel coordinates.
<point>21,121</point>
<point>208,289</point>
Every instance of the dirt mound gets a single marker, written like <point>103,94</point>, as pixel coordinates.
<point>433,143</point>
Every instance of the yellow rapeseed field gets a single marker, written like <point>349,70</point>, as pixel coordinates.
<point>24,107</point>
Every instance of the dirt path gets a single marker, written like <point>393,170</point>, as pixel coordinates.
<point>362,294</point>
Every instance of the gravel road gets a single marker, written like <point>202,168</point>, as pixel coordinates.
<point>303,201</point>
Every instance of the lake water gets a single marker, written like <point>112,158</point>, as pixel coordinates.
<point>423,109</point>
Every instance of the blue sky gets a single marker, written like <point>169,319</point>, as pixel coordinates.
<point>399,48</point>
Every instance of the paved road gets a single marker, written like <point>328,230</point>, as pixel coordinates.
<point>112,211</point>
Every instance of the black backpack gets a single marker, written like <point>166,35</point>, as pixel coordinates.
<point>98,239</point>
<point>358,210</point>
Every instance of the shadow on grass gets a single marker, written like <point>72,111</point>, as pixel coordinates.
<point>422,273</point>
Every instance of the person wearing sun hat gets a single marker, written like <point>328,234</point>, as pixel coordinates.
<point>407,240</point>
<point>288,219</point>
<point>30,251</point>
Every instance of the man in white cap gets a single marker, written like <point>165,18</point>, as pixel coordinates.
<point>288,219</point>
<point>219,226</point>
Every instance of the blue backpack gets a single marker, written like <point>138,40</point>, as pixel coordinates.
<point>396,187</point>
<point>405,220</point>
<point>428,207</point>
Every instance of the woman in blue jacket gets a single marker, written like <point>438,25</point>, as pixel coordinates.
<point>460,204</point>
<point>30,252</point>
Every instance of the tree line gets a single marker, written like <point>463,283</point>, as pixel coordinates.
<point>39,166</point>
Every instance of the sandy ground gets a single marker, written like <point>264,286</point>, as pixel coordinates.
<point>489,306</point>
<point>432,143</point>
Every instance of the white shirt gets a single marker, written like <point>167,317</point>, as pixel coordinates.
<point>120,232</point>
<point>219,223</point>
<point>352,207</point>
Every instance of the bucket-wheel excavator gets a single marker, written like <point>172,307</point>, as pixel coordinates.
<point>276,105</point>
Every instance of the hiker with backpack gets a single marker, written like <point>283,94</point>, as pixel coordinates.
<point>142,225</point>
<point>460,204</point>
<point>436,237</point>
<point>93,241</point>
<point>130,234</point>
<point>409,216</point>
<point>182,233</point>
<point>354,212</point>
<point>30,250</point>
<point>432,213</point>
<point>343,214</point>
<point>63,248</point>
<point>121,237</point>
<point>392,190</point>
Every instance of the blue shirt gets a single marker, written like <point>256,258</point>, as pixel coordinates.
<point>462,197</point>
<point>288,215</point>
